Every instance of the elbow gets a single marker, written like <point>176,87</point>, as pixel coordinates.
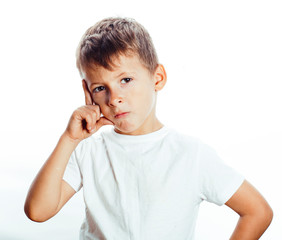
<point>261,217</point>
<point>35,218</point>
<point>34,215</point>
<point>265,215</point>
<point>268,215</point>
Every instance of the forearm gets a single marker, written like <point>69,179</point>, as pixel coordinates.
<point>251,227</point>
<point>45,192</point>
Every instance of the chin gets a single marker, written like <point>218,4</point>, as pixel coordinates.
<point>123,130</point>
<point>126,129</point>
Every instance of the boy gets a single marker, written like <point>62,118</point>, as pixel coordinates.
<point>141,180</point>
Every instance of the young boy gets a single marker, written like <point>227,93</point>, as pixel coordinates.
<point>140,179</point>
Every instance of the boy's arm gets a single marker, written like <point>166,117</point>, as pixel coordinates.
<point>49,192</point>
<point>255,213</point>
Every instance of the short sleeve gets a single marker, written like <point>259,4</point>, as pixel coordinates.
<point>218,181</point>
<point>72,174</point>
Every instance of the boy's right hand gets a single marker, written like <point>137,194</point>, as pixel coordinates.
<point>84,122</point>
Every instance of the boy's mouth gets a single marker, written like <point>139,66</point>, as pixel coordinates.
<point>121,115</point>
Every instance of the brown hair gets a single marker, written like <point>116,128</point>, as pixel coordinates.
<point>114,36</point>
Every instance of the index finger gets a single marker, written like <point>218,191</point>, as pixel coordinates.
<point>87,94</point>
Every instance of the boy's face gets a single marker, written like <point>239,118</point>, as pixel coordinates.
<point>129,89</point>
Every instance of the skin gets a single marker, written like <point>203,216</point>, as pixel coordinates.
<point>129,87</point>
<point>254,211</point>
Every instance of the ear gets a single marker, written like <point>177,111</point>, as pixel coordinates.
<point>87,94</point>
<point>160,77</point>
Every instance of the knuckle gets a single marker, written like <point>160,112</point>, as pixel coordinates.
<point>88,117</point>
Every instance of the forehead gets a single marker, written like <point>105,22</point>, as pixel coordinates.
<point>121,64</point>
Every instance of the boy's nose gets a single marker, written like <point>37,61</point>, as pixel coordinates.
<point>115,98</point>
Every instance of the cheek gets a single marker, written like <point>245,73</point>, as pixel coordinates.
<point>145,100</point>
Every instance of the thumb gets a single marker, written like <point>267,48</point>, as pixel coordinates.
<point>103,121</point>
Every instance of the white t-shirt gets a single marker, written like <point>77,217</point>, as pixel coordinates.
<point>147,186</point>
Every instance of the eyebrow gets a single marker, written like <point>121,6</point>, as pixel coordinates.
<point>118,76</point>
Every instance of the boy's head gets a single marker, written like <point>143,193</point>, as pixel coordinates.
<point>119,66</point>
<point>112,37</point>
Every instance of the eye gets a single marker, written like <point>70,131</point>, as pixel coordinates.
<point>98,89</point>
<point>126,79</point>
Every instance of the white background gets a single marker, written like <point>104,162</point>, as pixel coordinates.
<point>223,60</point>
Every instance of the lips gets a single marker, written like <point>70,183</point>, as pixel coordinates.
<point>122,114</point>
